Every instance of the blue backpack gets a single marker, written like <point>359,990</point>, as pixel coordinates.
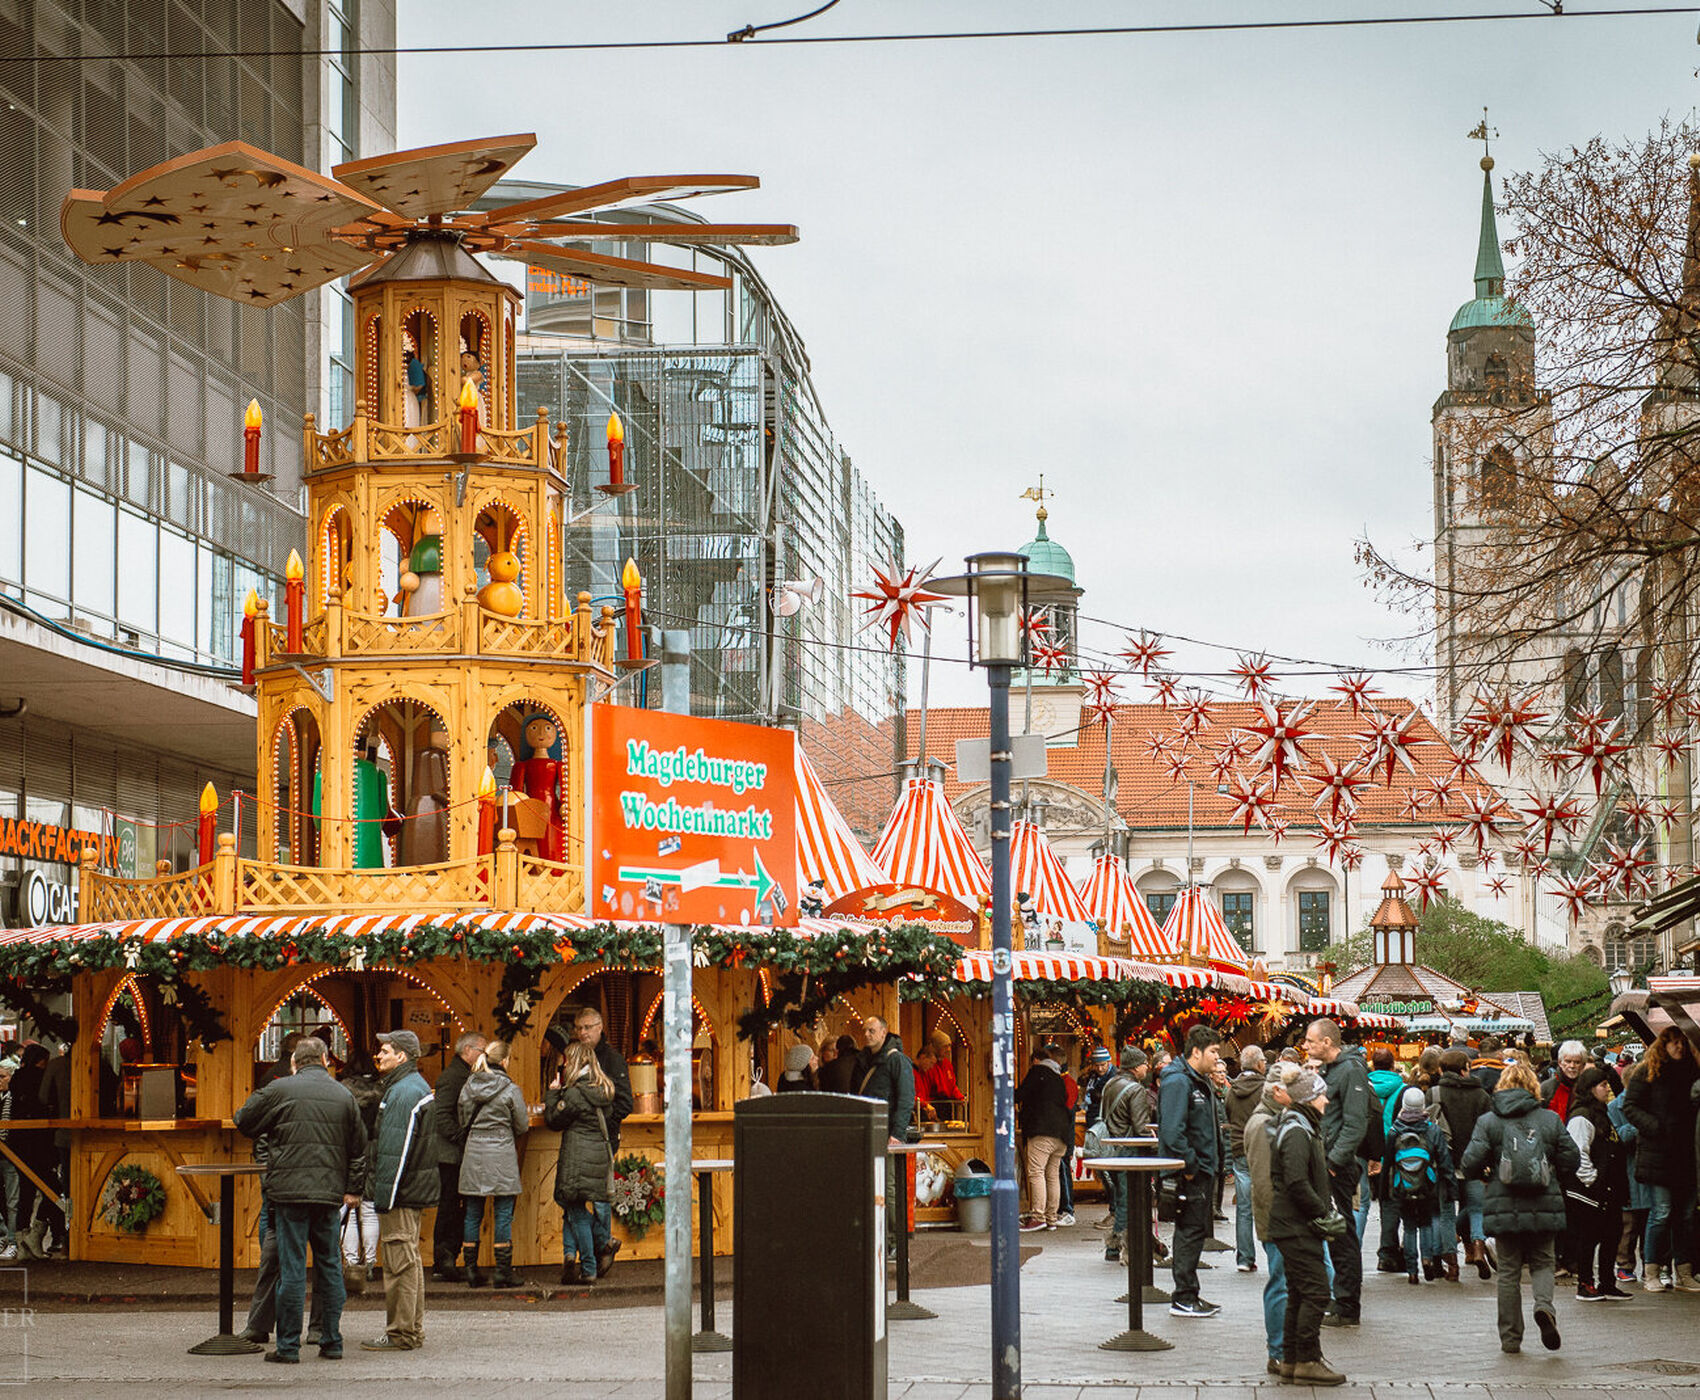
<point>1414,1179</point>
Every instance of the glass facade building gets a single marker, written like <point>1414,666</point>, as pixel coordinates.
<point>741,484</point>
<point>123,541</point>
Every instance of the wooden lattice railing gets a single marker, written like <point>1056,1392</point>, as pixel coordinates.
<point>263,886</point>
<point>110,898</point>
<point>363,633</point>
<point>366,440</point>
<point>584,636</point>
<point>549,886</point>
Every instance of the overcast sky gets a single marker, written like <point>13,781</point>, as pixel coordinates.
<point>1201,281</point>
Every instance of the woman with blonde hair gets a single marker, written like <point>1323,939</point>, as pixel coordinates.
<point>1658,1100</point>
<point>494,1115</point>
<point>1525,1154</point>
<point>577,1106</point>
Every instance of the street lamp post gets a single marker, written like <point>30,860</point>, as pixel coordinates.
<point>999,590</point>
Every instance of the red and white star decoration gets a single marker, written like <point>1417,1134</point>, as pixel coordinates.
<point>898,599</point>
<point>1257,676</point>
<point>1283,732</point>
<point>1143,652</point>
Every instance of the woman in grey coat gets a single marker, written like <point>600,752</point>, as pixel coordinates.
<point>494,1117</point>
<point>578,1106</point>
<point>1525,1154</point>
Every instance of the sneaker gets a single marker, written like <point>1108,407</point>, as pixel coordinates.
<point>249,1334</point>
<point>1334,1319</point>
<point>1548,1324</point>
<point>9,1252</point>
<point>384,1343</point>
<point>285,1360</point>
<point>1246,1268</point>
<point>1050,1224</point>
<point>1625,1274</point>
<point>1613,1294</point>
<point>1587,1293</point>
<point>1066,1218</point>
<point>1106,1222</point>
<point>1030,1224</point>
<point>1197,1309</point>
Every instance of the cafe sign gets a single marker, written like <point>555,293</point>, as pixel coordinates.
<point>692,821</point>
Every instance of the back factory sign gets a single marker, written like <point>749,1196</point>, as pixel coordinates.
<point>692,821</point>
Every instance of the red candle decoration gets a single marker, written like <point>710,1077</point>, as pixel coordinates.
<point>487,813</point>
<point>616,451</point>
<point>251,438</point>
<point>294,601</point>
<point>250,608</point>
<point>632,582</point>
<point>468,419</point>
<point>208,833</point>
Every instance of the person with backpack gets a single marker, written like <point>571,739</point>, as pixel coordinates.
<point>1523,1152</point>
<point>1417,1167</point>
<point>1595,1198</point>
<point>1386,1084</point>
<point>1126,1113</point>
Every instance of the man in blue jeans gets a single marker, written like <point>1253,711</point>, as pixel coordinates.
<point>1245,1092</point>
<point>315,1148</point>
<point>587,1026</point>
<point>1186,1111</point>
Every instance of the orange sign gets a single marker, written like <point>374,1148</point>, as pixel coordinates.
<point>911,904</point>
<point>692,820</point>
<point>58,844</point>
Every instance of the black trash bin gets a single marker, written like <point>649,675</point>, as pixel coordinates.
<point>808,1235</point>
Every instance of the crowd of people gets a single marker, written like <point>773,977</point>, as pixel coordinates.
<point>35,1083</point>
<point>1472,1157</point>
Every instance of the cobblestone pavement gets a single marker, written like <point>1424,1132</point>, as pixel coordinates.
<point>1429,1343</point>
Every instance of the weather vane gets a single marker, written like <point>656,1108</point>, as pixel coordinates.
<point>1484,133</point>
<point>1038,493</point>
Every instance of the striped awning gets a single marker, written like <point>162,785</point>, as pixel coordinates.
<point>1377,1020</point>
<point>1195,927</point>
<point>1111,899</point>
<point>351,926</point>
<point>924,844</point>
<point>827,850</point>
<point>1035,870</point>
<point>1077,967</point>
<point>1332,1007</point>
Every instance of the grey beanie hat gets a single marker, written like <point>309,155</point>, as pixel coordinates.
<point>797,1058</point>
<point>1306,1085</point>
<point>1133,1057</point>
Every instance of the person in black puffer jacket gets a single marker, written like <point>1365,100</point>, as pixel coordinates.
<point>1596,1196</point>
<point>1524,1220</point>
<point>1658,1100</point>
<point>1300,1196</point>
<point>316,1148</point>
<point>1042,1114</point>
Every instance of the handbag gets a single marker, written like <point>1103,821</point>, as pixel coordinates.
<point>354,1275</point>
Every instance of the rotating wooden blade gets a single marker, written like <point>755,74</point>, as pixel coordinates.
<point>569,231</point>
<point>238,219</point>
<point>430,181</point>
<point>618,194</point>
<point>605,271</point>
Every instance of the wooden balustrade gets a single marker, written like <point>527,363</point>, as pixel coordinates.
<point>367,441</point>
<point>583,637</point>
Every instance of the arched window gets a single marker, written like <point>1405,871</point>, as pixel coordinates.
<point>1497,479</point>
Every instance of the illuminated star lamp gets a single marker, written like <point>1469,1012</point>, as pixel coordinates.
<point>1282,732</point>
<point>1256,676</point>
<point>1389,742</point>
<point>1144,652</point>
<point>1101,699</point>
<point>1356,692</point>
<point>1336,784</point>
<point>1429,882</point>
<point>1549,814</point>
<point>896,600</point>
<point>1252,802</point>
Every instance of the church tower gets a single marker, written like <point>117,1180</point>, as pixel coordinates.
<point>1491,425</point>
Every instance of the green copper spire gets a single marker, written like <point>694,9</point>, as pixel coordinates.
<point>1490,267</point>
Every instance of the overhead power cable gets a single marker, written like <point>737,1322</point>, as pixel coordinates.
<point>1100,31</point>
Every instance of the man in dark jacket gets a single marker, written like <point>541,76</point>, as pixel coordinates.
<point>1244,1093</point>
<point>1126,1113</point>
<point>587,1026</point>
<point>1042,1114</point>
<point>1186,1111</point>
<point>401,1181</point>
<point>1524,1218</point>
<point>883,1072</point>
<point>1344,1123</point>
<point>316,1149</point>
<point>1301,1193</point>
<point>446,1135</point>
<point>262,1307</point>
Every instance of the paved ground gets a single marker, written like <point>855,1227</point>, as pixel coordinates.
<point>1417,1343</point>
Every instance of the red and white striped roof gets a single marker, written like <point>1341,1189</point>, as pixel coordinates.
<point>1195,926</point>
<point>1035,870</point>
<point>924,844</point>
<point>827,850</point>
<point>1377,1020</point>
<point>1111,899</point>
<point>1077,967</point>
<point>352,926</point>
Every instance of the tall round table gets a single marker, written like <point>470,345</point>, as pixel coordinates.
<point>708,1339</point>
<point>1140,1171</point>
<point>225,1342</point>
<point>901,1309</point>
<point>1145,1147</point>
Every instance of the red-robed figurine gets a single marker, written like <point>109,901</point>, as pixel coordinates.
<point>539,775</point>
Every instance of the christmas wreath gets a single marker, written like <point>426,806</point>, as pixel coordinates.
<point>132,1197</point>
<point>639,1194</point>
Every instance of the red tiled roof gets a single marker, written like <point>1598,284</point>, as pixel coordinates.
<point>1149,799</point>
